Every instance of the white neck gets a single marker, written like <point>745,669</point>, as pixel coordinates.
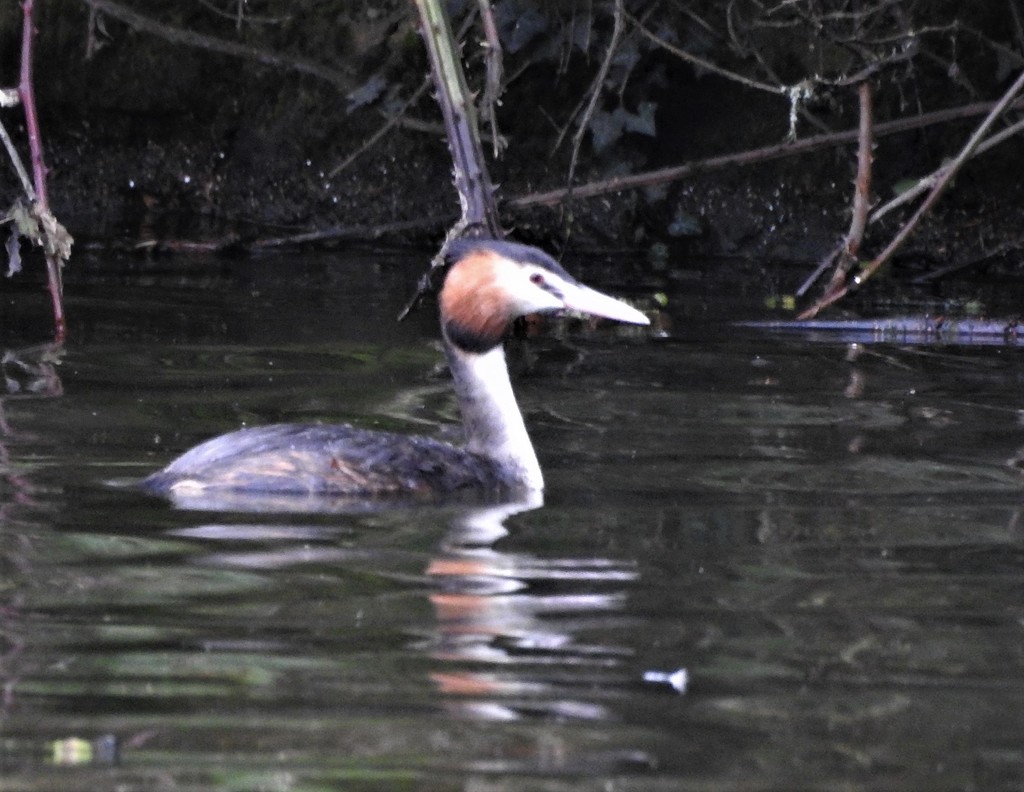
<point>494,426</point>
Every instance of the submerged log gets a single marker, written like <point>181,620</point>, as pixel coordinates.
<point>902,330</point>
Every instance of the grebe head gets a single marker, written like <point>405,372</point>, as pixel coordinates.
<point>490,283</point>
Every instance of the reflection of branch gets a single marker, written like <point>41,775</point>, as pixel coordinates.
<point>200,41</point>
<point>945,176</point>
<point>31,371</point>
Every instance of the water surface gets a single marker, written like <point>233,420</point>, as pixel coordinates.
<point>763,562</point>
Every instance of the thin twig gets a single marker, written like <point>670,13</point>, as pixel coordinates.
<point>564,129</point>
<point>493,73</point>
<point>399,118</point>
<point>393,120</point>
<point>703,63</point>
<point>1018,27</point>
<point>823,265</point>
<point>1000,250</point>
<point>19,166</point>
<point>238,16</point>
<point>201,41</point>
<point>999,137</point>
<point>353,232</point>
<point>595,89</point>
<point>925,183</point>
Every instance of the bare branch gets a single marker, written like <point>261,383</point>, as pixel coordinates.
<point>926,183</point>
<point>200,41</point>
<point>847,250</point>
<point>238,15</point>
<point>493,73</point>
<point>702,63</point>
<point>19,166</point>
<point>945,177</point>
<point>862,186</point>
<point>595,88</point>
<point>765,154</point>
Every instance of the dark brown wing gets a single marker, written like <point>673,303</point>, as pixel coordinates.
<point>325,460</point>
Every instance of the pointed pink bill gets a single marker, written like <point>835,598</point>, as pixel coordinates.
<point>578,297</point>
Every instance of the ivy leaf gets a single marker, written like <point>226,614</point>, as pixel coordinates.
<point>518,26</point>
<point>641,122</point>
<point>607,128</point>
<point>24,222</point>
<point>57,241</point>
<point>367,93</point>
<point>38,226</point>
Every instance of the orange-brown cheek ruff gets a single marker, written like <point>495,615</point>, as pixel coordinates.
<point>475,312</point>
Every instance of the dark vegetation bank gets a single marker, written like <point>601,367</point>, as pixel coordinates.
<point>770,130</point>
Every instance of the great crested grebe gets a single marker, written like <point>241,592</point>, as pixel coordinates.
<point>489,284</point>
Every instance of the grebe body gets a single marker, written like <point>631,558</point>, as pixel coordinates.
<point>326,459</point>
<point>489,284</point>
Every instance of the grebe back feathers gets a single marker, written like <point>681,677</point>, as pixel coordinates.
<point>489,284</point>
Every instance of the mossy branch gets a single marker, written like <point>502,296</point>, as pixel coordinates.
<point>472,180</point>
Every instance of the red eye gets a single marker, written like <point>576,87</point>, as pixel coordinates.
<point>537,279</point>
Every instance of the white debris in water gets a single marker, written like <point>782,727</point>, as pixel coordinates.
<point>677,680</point>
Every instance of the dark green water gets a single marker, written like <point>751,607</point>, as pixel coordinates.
<point>831,549</point>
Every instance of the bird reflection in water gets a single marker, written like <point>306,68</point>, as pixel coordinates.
<point>504,642</point>
<point>504,623</point>
<point>509,617</point>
